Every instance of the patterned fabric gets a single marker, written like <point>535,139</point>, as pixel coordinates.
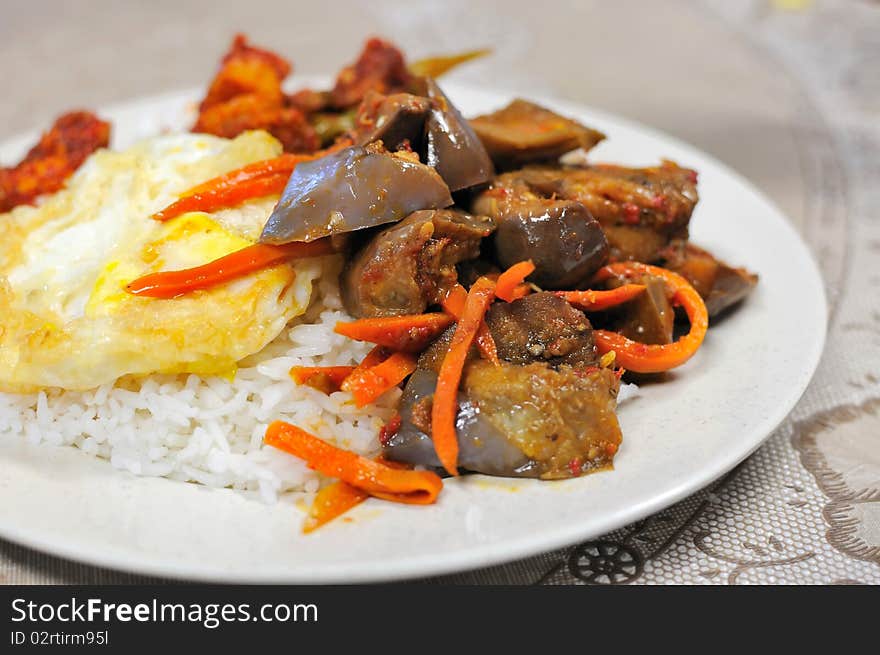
<point>804,509</point>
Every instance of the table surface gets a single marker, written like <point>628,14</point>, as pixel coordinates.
<point>784,91</point>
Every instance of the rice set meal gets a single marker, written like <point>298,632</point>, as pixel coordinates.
<point>349,292</point>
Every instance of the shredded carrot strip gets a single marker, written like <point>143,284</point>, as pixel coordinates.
<point>279,165</point>
<point>509,281</point>
<point>332,501</point>
<point>376,478</point>
<point>323,378</point>
<point>445,406</point>
<point>521,291</point>
<point>262,178</point>
<point>595,300</point>
<point>376,356</point>
<point>486,344</point>
<point>337,498</point>
<point>645,358</point>
<point>409,333</point>
<point>369,384</point>
<point>172,284</point>
<point>453,303</point>
<point>227,196</point>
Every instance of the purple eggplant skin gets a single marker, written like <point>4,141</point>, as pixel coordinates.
<point>353,189</point>
<point>452,146</point>
<point>482,447</point>
<point>517,421</point>
<point>410,265</point>
<point>396,119</point>
<point>563,240</point>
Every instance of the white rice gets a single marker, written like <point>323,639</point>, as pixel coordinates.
<point>210,430</point>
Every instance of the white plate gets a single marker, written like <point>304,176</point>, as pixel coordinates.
<point>678,437</point>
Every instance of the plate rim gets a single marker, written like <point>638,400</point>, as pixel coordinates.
<point>491,554</point>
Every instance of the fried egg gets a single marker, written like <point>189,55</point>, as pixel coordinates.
<point>65,317</point>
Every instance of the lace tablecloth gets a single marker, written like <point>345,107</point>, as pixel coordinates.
<point>787,92</point>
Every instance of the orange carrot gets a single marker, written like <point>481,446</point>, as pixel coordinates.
<point>323,378</point>
<point>596,300</point>
<point>332,501</point>
<point>409,333</point>
<point>445,406</point>
<point>277,166</point>
<point>337,498</point>
<point>520,291</point>
<point>486,345</point>
<point>645,358</point>
<point>376,478</point>
<point>261,178</point>
<point>369,384</point>
<point>376,356</point>
<point>172,284</point>
<point>510,281</point>
<point>453,303</point>
<point>225,196</point>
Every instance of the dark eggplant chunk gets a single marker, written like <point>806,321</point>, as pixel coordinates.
<point>517,421</point>
<point>392,119</point>
<point>352,189</point>
<point>482,447</point>
<point>641,210</point>
<point>720,284</point>
<point>562,239</point>
<point>407,267</point>
<point>542,327</point>
<point>731,286</point>
<point>453,148</point>
<point>525,132</point>
<point>649,317</point>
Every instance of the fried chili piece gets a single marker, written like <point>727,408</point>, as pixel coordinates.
<point>246,69</point>
<point>246,95</point>
<point>60,151</point>
<point>380,67</point>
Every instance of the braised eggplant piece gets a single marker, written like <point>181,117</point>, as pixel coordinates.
<point>640,209</point>
<point>452,146</point>
<point>517,421</point>
<point>407,267</point>
<point>720,284</point>
<point>483,447</point>
<point>562,239</point>
<point>353,189</point>
<point>649,317</point>
<point>524,132</point>
<point>392,119</point>
<point>564,242</point>
<point>542,327</point>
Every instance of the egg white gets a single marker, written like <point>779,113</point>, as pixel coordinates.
<point>65,318</point>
